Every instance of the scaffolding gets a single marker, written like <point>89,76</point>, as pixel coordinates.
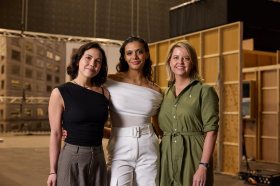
<point>27,100</point>
<point>57,37</point>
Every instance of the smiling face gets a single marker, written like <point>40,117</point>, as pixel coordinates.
<point>90,63</point>
<point>180,62</point>
<point>135,55</point>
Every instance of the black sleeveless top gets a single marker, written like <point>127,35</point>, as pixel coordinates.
<point>84,116</point>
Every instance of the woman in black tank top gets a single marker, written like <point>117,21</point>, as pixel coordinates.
<point>80,107</point>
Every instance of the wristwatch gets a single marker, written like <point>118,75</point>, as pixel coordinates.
<point>206,165</point>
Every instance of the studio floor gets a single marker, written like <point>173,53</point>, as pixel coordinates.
<point>24,162</point>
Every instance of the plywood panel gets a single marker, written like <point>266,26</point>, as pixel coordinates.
<point>264,60</point>
<point>269,146</point>
<point>230,129</point>
<point>230,38</point>
<point>176,39</point>
<point>258,58</point>
<point>231,67</point>
<point>162,76</point>
<point>162,51</point>
<point>250,76</point>
<point>250,146</point>
<point>231,100</point>
<point>269,78</point>
<point>269,125</point>
<point>211,42</point>
<point>250,127</point>
<point>210,70</point>
<point>195,40</point>
<point>249,59</point>
<point>231,154</point>
<point>269,100</point>
<point>153,54</point>
<point>215,158</point>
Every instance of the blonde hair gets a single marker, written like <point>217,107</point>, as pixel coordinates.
<point>194,74</point>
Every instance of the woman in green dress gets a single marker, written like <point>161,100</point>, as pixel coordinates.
<point>188,117</point>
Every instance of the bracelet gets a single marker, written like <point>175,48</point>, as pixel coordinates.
<point>206,165</point>
<point>52,173</point>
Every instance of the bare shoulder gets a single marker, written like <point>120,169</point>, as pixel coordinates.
<point>56,98</point>
<point>55,94</point>
<point>154,86</point>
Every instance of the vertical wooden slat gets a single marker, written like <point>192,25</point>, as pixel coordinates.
<point>240,95</point>
<point>278,111</point>
<point>259,115</point>
<point>221,106</point>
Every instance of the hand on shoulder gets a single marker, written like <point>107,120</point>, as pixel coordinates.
<point>106,93</point>
<point>155,86</point>
<point>116,77</point>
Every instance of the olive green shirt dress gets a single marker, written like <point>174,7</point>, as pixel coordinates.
<point>184,120</point>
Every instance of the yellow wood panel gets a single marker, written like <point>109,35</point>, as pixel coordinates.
<point>215,158</point>
<point>249,59</point>
<point>231,98</point>
<point>231,67</point>
<point>250,76</point>
<point>258,58</point>
<point>248,44</point>
<point>269,78</point>
<point>211,42</point>
<point>269,125</point>
<point>153,54</point>
<point>230,130</point>
<point>162,76</point>
<point>195,41</point>
<point>200,71</point>
<point>176,39</point>
<point>269,100</point>
<point>230,162</point>
<point>230,38</point>
<point>266,60</point>
<point>210,69</point>
<point>250,145</point>
<point>269,150</point>
<point>162,51</point>
<point>249,127</point>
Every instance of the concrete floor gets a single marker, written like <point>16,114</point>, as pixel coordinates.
<point>24,162</point>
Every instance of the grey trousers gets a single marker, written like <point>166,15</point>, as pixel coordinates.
<point>81,166</point>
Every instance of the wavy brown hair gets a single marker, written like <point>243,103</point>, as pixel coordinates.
<point>72,69</point>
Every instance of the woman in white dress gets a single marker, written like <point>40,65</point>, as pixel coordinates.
<point>135,100</point>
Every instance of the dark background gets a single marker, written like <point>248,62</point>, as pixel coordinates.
<point>151,19</point>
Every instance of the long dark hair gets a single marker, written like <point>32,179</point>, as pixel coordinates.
<point>72,69</point>
<point>122,66</point>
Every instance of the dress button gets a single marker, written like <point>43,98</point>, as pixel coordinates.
<point>175,129</point>
<point>175,141</point>
<point>174,117</point>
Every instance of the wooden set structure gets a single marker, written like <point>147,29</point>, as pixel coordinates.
<point>222,64</point>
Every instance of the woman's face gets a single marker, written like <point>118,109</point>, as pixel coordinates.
<point>90,63</point>
<point>135,55</point>
<point>180,62</point>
